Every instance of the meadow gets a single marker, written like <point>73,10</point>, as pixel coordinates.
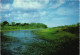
<point>62,40</point>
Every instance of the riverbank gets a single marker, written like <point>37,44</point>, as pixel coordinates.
<point>13,30</point>
<point>18,29</point>
<point>6,26</point>
<point>61,40</point>
<point>58,41</point>
<point>17,42</point>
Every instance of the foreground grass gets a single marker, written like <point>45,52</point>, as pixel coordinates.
<point>60,41</point>
<point>57,41</point>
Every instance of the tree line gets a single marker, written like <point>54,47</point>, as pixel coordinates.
<point>34,25</point>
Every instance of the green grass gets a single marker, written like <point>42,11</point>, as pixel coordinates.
<point>14,28</point>
<point>11,28</point>
<point>58,41</point>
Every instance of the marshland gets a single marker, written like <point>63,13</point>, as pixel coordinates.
<point>39,40</point>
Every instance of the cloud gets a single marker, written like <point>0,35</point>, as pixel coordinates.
<point>5,7</point>
<point>29,4</point>
<point>57,4</point>
<point>22,16</point>
<point>17,14</point>
<point>7,15</point>
<point>24,4</point>
<point>66,11</point>
<point>63,11</point>
<point>37,11</point>
<point>43,13</point>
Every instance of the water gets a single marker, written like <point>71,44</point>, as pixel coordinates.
<point>25,37</point>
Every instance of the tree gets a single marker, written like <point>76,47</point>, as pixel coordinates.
<point>25,24</point>
<point>13,23</point>
<point>45,26</point>
<point>38,25</point>
<point>5,23</point>
<point>1,24</point>
<point>18,24</point>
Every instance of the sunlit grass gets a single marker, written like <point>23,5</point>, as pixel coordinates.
<point>60,41</point>
<point>56,41</point>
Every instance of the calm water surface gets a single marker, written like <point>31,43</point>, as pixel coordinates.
<point>24,37</point>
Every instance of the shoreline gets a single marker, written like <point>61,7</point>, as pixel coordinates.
<point>12,30</point>
<point>15,30</point>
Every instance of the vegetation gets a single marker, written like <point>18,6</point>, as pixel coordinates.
<point>62,40</point>
<point>6,26</point>
<point>5,38</point>
<point>6,41</point>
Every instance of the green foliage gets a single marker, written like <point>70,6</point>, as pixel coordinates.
<point>13,23</point>
<point>63,40</point>
<point>5,23</point>
<point>38,25</point>
<point>58,41</point>
<point>25,24</point>
<point>19,26</point>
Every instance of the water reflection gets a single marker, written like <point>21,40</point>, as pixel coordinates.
<point>25,37</point>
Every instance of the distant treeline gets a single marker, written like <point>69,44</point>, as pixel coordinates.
<point>7,26</point>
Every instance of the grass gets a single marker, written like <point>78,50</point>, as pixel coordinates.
<point>14,28</point>
<point>57,41</point>
<point>60,41</point>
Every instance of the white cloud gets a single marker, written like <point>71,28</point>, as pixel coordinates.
<point>17,14</point>
<point>57,4</point>
<point>7,15</point>
<point>5,7</point>
<point>43,13</point>
<point>29,4</point>
<point>66,11</point>
<point>26,17</point>
<point>24,4</point>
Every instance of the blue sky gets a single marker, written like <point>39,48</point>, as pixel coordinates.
<point>50,12</point>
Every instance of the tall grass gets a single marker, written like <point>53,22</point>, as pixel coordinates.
<point>60,41</point>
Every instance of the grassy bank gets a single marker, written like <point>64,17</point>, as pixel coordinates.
<point>14,28</point>
<point>60,40</point>
<point>6,26</point>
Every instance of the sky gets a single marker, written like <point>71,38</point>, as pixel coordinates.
<point>50,12</point>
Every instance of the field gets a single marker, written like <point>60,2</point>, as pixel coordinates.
<point>63,40</point>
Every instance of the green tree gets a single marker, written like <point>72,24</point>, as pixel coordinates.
<point>1,24</point>
<point>5,23</point>
<point>13,23</point>
<point>18,24</point>
<point>25,24</point>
